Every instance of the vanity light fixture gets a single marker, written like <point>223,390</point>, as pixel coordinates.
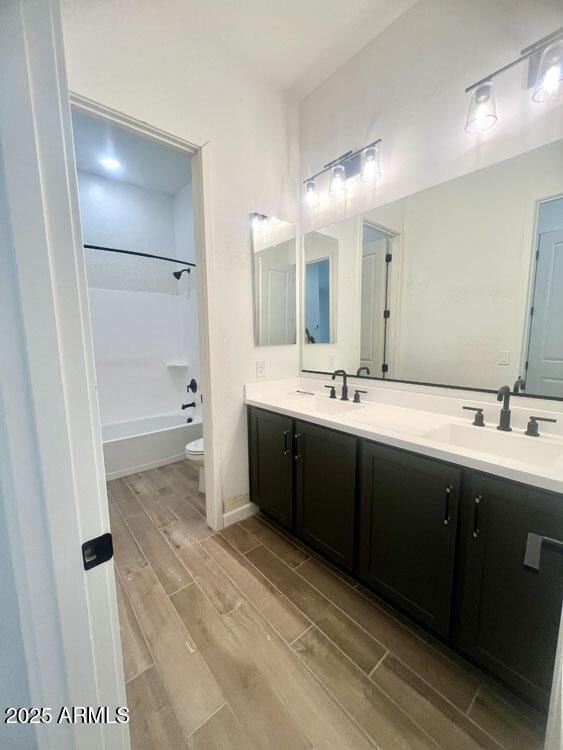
<point>545,76</point>
<point>371,167</point>
<point>364,161</point>
<point>482,113</point>
<point>550,74</point>
<point>311,194</point>
<point>257,220</point>
<point>337,187</point>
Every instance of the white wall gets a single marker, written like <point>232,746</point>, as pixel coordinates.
<point>117,214</point>
<point>407,87</point>
<point>145,59</point>
<point>143,319</point>
<point>127,217</point>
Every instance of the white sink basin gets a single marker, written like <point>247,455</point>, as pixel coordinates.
<point>518,447</point>
<point>332,406</point>
<point>396,419</point>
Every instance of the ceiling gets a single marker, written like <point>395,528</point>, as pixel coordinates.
<point>295,44</point>
<point>142,161</point>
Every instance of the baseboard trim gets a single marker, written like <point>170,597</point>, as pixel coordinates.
<point>239,514</point>
<point>145,467</point>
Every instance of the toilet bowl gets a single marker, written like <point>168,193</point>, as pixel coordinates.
<point>194,454</point>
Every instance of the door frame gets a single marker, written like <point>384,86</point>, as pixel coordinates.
<point>395,247</point>
<point>201,171</point>
<point>532,265</point>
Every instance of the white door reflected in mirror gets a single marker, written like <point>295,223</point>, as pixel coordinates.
<point>274,265</point>
<point>317,301</point>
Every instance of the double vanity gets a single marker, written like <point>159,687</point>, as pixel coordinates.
<point>459,526</point>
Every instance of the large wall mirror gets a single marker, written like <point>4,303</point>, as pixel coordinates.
<point>460,284</point>
<point>274,260</point>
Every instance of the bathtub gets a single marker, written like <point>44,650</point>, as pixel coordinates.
<point>140,444</point>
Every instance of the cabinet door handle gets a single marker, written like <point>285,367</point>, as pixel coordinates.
<point>476,504</point>
<point>532,556</point>
<point>297,455</point>
<point>286,450</point>
<point>449,489</point>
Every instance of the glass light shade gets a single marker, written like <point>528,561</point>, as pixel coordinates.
<point>257,220</point>
<point>482,113</point>
<point>337,185</point>
<point>370,167</point>
<point>311,194</point>
<point>549,81</point>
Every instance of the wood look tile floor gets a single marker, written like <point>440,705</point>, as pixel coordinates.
<point>245,639</point>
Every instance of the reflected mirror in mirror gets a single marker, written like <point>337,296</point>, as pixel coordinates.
<point>317,301</point>
<point>274,260</point>
<point>321,260</point>
<point>460,284</point>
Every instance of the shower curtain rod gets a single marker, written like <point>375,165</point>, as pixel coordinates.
<point>141,255</point>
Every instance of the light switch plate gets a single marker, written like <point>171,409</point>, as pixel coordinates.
<point>260,368</point>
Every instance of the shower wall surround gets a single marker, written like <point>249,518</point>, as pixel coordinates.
<point>144,321</point>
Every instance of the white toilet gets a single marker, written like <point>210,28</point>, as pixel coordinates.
<point>194,454</point>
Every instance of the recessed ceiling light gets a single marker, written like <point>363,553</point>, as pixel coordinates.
<point>108,162</point>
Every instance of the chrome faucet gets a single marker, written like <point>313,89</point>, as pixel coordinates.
<point>504,396</point>
<point>344,374</point>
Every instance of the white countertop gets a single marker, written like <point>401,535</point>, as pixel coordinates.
<point>432,424</point>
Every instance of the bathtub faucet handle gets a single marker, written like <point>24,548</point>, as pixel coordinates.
<point>189,406</point>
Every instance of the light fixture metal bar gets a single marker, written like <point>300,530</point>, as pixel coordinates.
<point>348,156</point>
<point>544,42</point>
<point>526,53</point>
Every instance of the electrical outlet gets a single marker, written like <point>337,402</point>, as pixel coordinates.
<point>331,361</point>
<point>504,358</point>
<point>260,369</point>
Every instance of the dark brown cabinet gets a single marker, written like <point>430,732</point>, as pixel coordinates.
<point>271,464</point>
<point>408,523</point>
<point>325,491</point>
<point>509,614</point>
<point>475,558</point>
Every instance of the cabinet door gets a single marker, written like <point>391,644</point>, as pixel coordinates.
<point>510,613</point>
<point>326,490</point>
<point>271,464</point>
<point>409,509</point>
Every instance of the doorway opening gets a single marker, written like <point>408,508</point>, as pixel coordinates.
<point>137,216</point>
<point>544,361</point>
